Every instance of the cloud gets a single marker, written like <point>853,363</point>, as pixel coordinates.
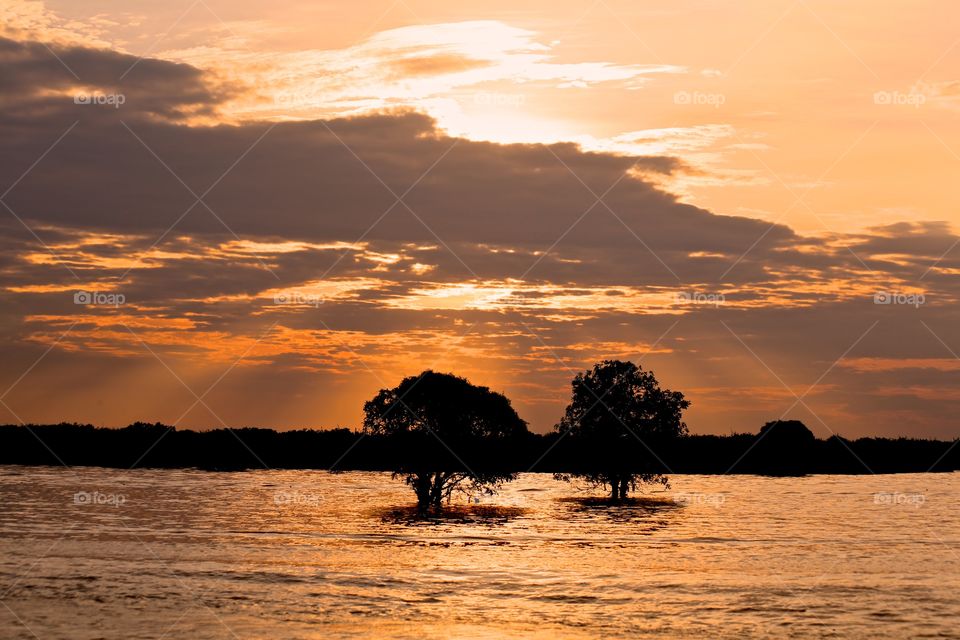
<point>499,261</point>
<point>897,364</point>
<point>413,66</point>
<point>48,80</point>
<point>32,20</point>
<point>432,65</point>
<point>499,207</point>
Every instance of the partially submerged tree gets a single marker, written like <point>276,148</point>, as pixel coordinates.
<point>450,435</point>
<point>620,416</point>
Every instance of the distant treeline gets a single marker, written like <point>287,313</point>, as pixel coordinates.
<point>155,445</point>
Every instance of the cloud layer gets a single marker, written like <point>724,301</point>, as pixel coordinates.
<point>324,259</point>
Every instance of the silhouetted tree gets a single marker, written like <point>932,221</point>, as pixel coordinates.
<point>620,414</point>
<point>784,447</point>
<point>787,432</point>
<point>449,433</point>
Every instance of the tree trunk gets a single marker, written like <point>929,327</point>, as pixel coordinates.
<point>624,487</point>
<point>613,488</point>
<point>422,487</point>
<point>437,491</point>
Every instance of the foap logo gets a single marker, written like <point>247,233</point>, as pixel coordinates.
<point>296,497</point>
<point>913,99</point>
<point>897,298</point>
<point>496,99</point>
<point>87,498</point>
<point>98,298</point>
<point>898,499</point>
<point>700,297</point>
<point>700,98</point>
<point>103,99</point>
<point>296,100</point>
<point>710,499</point>
<point>298,298</point>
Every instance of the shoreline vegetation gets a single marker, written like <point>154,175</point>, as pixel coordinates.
<point>143,445</point>
<point>442,435</point>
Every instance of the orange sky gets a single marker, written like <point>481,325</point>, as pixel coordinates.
<point>300,203</point>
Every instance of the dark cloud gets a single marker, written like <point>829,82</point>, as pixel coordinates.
<point>120,171</point>
<point>40,81</point>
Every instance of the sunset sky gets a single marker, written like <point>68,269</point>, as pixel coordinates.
<point>282,207</point>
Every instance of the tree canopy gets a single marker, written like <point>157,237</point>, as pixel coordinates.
<point>450,431</point>
<point>620,414</point>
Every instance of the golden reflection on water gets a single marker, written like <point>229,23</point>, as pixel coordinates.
<point>318,555</point>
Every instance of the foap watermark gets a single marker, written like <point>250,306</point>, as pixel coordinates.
<point>711,499</point>
<point>895,498</point>
<point>99,298</point>
<point>298,298</point>
<point>700,98</point>
<point>296,497</point>
<point>103,99</point>
<point>296,100</point>
<point>899,298</point>
<point>700,297</point>
<point>497,99</point>
<point>86,498</point>
<point>911,98</point>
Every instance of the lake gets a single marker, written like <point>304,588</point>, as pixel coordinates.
<point>100,553</point>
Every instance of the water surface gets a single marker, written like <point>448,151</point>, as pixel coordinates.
<point>97,553</point>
